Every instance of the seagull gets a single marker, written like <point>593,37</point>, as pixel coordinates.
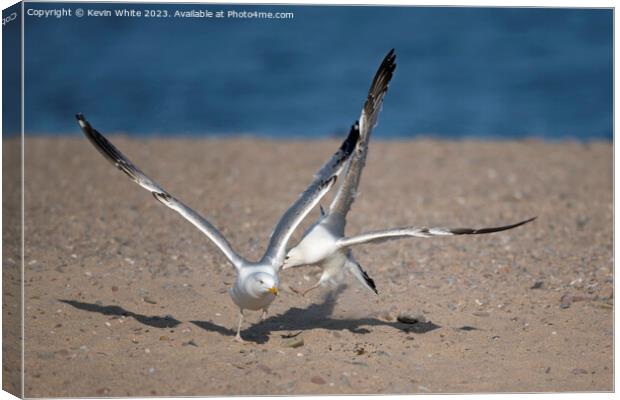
<point>256,284</point>
<point>324,244</point>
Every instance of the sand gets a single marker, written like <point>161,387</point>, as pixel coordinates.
<point>125,298</point>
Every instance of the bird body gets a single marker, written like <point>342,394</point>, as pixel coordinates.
<point>249,295</point>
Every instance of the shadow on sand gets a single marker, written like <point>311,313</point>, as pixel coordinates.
<point>154,321</point>
<point>313,317</point>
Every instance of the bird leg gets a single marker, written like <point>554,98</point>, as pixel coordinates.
<point>263,315</point>
<point>316,285</point>
<point>238,335</point>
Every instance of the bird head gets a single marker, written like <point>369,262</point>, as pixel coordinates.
<point>265,284</point>
<point>294,258</point>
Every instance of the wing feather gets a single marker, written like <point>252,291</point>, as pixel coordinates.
<point>423,232</point>
<point>324,180</point>
<point>345,196</point>
<point>110,152</point>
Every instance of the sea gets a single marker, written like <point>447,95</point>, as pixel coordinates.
<point>230,70</point>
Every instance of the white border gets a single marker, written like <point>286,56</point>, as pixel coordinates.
<point>462,3</point>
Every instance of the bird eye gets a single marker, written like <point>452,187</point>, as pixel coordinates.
<point>261,282</point>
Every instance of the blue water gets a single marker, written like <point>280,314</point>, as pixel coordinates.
<point>462,72</point>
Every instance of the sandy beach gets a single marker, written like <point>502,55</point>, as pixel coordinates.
<point>125,298</point>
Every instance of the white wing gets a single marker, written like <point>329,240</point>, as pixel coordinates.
<point>401,233</point>
<point>117,158</point>
<point>345,195</point>
<point>325,179</point>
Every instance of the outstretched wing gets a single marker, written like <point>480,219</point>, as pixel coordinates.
<point>401,233</point>
<point>324,180</point>
<point>117,158</point>
<point>345,196</point>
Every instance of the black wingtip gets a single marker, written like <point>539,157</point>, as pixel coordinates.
<point>470,231</point>
<point>351,141</point>
<point>80,117</point>
<point>369,281</point>
<point>525,221</point>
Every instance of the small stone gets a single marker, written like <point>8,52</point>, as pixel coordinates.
<point>318,380</point>
<point>189,343</point>
<point>134,340</point>
<point>537,285</point>
<point>114,288</point>
<point>481,314</point>
<point>149,300</point>
<point>152,370</point>
<point>566,301</point>
<point>294,342</point>
<point>164,338</point>
<point>579,371</point>
<point>410,318</point>
<point>102,391</point>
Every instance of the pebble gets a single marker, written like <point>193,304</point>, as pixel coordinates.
<point>566,301</point>
<point>149,300</point>
<point>318,380</point>
<point>294,342</point>
<point>407,318</point>
<point>189,343</point>
<point>152,370</point>
<point>481,314</point>
<point>537,285</point>
<point>579,371</point>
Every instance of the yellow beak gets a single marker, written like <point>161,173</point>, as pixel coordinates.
<point>274,290</point>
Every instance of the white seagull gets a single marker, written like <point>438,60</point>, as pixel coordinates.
<point>324,244</point>
<point>257,283</point>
